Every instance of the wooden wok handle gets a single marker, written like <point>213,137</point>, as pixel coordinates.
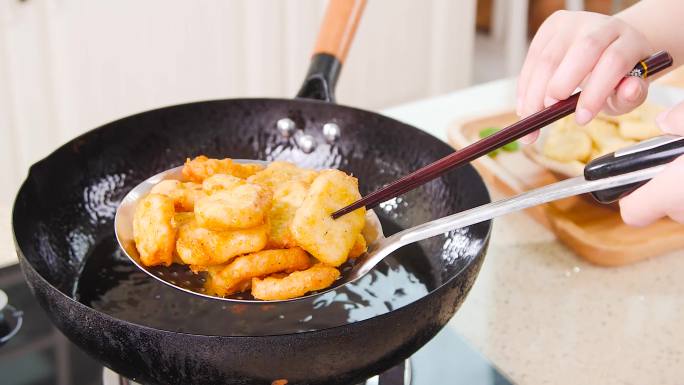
<point>334,39</point>
<point>338,28</point>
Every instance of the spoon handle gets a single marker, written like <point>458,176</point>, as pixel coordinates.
<point>641,167</point>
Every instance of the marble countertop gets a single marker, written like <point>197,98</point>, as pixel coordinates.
<point>539,313</point>
<point>544,316</point>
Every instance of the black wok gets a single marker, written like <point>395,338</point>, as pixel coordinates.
<point>155,334</point>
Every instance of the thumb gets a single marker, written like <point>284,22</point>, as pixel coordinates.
<point>629,94</point>
<point>672,121</point>
<point>662,196</point>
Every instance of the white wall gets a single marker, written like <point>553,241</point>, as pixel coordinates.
<point>70,65</point>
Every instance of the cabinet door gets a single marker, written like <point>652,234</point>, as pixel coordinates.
<point>67,66</point>
<point>27,126</point>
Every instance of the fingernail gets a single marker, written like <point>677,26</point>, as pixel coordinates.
<point>549,101</point>
<point>633,91</point>
<point>529,138</point>
<point>582,116</point>
<point>519,108</point>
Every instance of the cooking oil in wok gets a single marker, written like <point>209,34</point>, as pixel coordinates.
<point>110,283</point>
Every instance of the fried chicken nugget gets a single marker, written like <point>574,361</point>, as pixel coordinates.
<point>565,143</point>
<point>286,200</point>
<point>182,218</point>
<point>238,207</point>
<point>236,276</point>
<point>279,173</point>
<point>646,112</point>
<point>359,247</point>
<point>606,138</point>
<point>329,240</point>
<point>198,246</point>
<point>153,230</point>
<point>221,182</point>
<point>295,284</point>
<point>201,167</point>
<point>638,130</point>
<point>183,194</point>
<point>638,124</point>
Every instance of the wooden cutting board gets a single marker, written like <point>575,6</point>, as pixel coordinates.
<point>595,232</point>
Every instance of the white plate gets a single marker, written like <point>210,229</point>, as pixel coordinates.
<point>658,94</point>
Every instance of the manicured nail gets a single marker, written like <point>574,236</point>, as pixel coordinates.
<point>548,101</point>
<point>582,116</point>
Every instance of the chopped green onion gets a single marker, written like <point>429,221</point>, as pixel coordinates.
<point>510,147</point>
<point>485,132</point>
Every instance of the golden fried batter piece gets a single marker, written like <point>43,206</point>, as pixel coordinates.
<point>601,131</point>
<point>566,143</point>
<point>201,167</point>
<point>295,284</point>
<point>153,230</point>
<point>198,246</point>
<point>286,200</point>
<point>327,239</point>
<point>252,227</point>
<point>279,173</point>
<point>639,124</point>
<point>225,280</point>
<point>183,194</point>
<point>359,247</point>
<point>179,220</point>
<point>221,182</point>
<point>183,218</point>
<point>646,112</point>
<point>238,207</point>
<point>606,138</point>
<point>638,130</point>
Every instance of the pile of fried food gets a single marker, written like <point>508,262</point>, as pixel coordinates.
<point>249,227</point>
<point>568,142</point>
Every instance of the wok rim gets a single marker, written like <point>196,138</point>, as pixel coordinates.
<point>64,147</point>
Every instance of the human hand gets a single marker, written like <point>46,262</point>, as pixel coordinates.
<point>587,50</point>
<point>663,195</point>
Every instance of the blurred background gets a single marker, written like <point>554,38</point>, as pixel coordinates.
<point>67,66</point>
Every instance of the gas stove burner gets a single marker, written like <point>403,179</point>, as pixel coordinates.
<point>398,375</point>
<point>11,319</point>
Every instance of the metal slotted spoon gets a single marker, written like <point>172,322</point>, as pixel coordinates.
<point>608,178</point>
<point>180,276</point>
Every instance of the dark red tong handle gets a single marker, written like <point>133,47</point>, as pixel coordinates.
<point>645,68</point>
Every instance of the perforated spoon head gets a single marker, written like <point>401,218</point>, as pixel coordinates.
<point>182,278</point>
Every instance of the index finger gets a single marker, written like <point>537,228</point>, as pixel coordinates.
<point>662,196</point>
<point>579,61</point>
<point>615,63</point>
